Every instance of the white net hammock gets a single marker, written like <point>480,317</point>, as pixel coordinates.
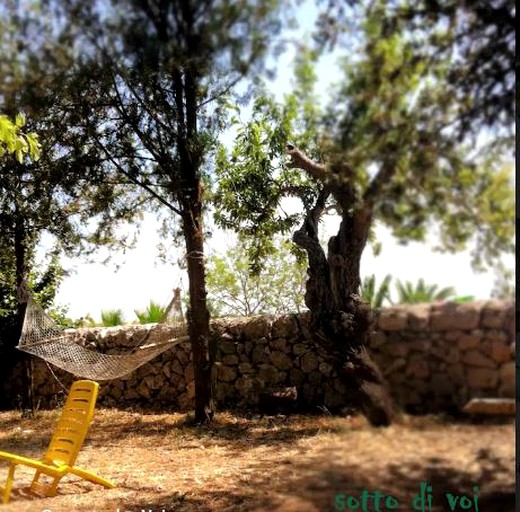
<point>42,337</point>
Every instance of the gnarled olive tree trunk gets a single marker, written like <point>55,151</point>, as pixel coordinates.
<point>340,320</point>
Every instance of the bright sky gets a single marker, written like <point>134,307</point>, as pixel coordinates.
<point>141,277</point>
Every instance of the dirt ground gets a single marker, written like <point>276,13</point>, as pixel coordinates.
<point>278,463</point>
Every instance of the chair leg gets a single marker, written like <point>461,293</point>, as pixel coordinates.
<point>9,483</point>
<point>91,477</point>
<point>48,489</point>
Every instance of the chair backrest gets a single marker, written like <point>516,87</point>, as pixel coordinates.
<point>71,429</point>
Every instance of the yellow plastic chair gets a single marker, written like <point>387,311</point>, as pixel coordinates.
<point>66,442</point>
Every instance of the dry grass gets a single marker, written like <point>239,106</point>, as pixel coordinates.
<point>293,463</point>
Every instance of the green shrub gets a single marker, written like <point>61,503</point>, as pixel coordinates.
<point>154,313</point>
<point>421,292</point>
<point>374,295</point>
<point>111,317</point>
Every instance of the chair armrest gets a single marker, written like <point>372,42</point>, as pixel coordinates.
<point>49,469</point>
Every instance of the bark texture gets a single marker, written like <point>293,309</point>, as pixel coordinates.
<point>189,194</point>
<point>340,320</point>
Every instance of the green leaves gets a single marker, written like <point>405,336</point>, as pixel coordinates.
<point>234,291</point>
<point>252,178</point>
<point>153,313</point>
<point>375,296</point>
<point>14,141</point>
<point>112,318</point>
<point>408,293</point>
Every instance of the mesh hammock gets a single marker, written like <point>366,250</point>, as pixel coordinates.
<point>42,337</point>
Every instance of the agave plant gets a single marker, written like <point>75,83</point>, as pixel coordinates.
<point>111,317</point>
<point>154,313</point>
<point>375,296</point>
<point>421,292</point>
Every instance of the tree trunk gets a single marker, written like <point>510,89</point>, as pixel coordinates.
<point>340,320</point>
<point>190,198</point>
<point>21,283</point>
<point>198,319</point>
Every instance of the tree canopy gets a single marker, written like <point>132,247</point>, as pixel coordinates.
<point>390,125</point>
<point>148,94</point>
<point>391,146</point>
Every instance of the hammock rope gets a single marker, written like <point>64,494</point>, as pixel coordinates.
<point>42,337</point>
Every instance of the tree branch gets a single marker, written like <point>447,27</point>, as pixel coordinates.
<point>137,182</point>
<point>337,177</point>
<point>299,160</point>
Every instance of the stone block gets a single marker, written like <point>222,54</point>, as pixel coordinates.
<point>188,373</point>
<point>183,356</point>
<point>223,391</point>
<point>296,377</point>
<point>500,352</point>
<point>507,375</point>
<point>418,317</point>
<point>309,362</point>
<point>395,349</point>
<point>165,393</point>
<point>456,373</point>
<point>476,358</point>
<point>227,347</point>
<point>482,378</point>
<point>420,345</point>
<point>116,393</point>
<point>260,354</point>
<point>167,371</point>
<point>245,368</point>
<point>491,406</point>
<point>285,327</point>
<point>392,319</point>
<point>452,355</point>
<point>452,316</point>
<point>268,374</point>
<point>468,341</point>
<point>176,367</point>
<point>226,373</point>
<point>494,314</point>
<point>244,384</point>
<point>300,349</point>
<point>282,345</point>
<point>230,359</point>
<point>190,390</point>
<point>496,336</point>
<point>418,368</point>
<point>333,399</point>
<point>452,336</point>
<point>143,390</point>
<point>281,360</point>
<point>441,384</point>
<point>257,327</point>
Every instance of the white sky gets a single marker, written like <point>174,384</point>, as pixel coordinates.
<point>141,277</point>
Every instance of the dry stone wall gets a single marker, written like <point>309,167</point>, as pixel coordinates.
<point>435,357</point>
